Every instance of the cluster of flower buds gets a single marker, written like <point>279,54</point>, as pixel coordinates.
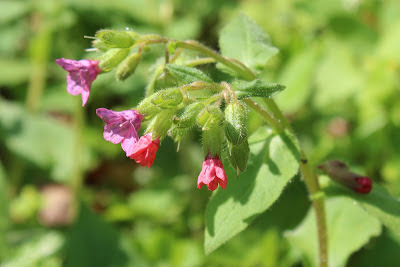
<point>171,111</point>
<point>339,172</point>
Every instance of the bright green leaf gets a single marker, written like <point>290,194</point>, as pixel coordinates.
<point>274,160</point>
<point>256,88</point>
<point>349,228</point>
<point>244,40</point>
<point>187,74</point>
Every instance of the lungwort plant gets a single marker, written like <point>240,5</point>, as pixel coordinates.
<point>251,170</point>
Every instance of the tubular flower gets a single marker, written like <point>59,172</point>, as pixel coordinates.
<point>80,76</point>
<point>212,173</point>
<point>144,152</point>
<point>121,127</point>
<point>339,172</point>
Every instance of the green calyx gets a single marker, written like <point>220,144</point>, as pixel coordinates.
<point>239,155</point>
<point>112,58</point>
<point>235,122</point>
<point>210,116</point>
<point>115,39</point>
<point>128,66</point>
<point>167,98</point>
<point>186,116</point>
<point>212,139</point>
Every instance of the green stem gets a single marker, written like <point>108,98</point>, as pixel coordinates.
<point>77,175</point>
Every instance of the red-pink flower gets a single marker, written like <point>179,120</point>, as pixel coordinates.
<point>121,127</point>
<point>80,76</point>
<point>145,150</point>
<point>212,173</point>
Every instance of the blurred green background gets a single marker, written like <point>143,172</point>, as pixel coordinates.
<point>69,198</point>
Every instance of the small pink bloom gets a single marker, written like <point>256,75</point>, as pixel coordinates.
<point>121,127</point>
<point>212,174</point>
<point>80,76</point>
<point>365,185</point>
<point>145,150</point>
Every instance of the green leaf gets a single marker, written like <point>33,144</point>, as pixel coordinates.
<point>187,74</point>
<point>244,40</point>
<point>349,228</point>
<point>378,203</point>
<point>274,160</point>
<point>92,242</point>
<point>256,88</point>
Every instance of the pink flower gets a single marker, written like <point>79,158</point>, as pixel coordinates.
<point>80,76</point>
<point>212,174</point>
<point>121,127</point>
<point>145,150</point>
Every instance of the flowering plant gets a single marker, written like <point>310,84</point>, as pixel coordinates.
<point>181,97</point>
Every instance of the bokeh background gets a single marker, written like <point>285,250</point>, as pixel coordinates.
<point>69,198</point>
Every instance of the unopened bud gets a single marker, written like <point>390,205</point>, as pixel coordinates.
<point>168,98</point>
<point>235,122</point>
<point>160,125</point>
<point>339,172</point>
<point>239,155</point>
<point>115,39</point>
<point>212,140</point>
<point>186,117</point>
<point>210,116</point>
<point>128,66</point>
<point>100,45</point>
<point>112,58</point>
<point>147,108</point>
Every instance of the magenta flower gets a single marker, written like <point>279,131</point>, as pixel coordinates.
<point>121,127</point>
<point>364,185</point>
<point>212,174</point>
<point>80,76</point>
<point>145,150</point>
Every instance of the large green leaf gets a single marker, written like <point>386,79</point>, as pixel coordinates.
<point>378,203</point>
<point>349,228</point>
<point>187,74</point>
<point>255,88</point>
<point>244,40</point>
<point>274,160</point>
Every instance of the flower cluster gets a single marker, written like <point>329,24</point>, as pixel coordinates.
<point>171,111</point>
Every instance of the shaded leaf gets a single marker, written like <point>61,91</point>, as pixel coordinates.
<point>273,162</point>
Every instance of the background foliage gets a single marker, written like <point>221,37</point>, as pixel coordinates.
<point>340,63</point>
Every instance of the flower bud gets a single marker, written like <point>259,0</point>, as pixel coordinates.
<point>239,155</point>
<point>112,58</point>
<point>100,45</point>
<point>147,108</point>
<point>177,133</point>
<point>168,98</point>
<point>160,125</point>
<point>128,66</point>
<point>212,140</point>
<point>235,122</point>
<point>339,172</point>
<point>115,39</point>
<point>210,116</point>
<point>186,117</point>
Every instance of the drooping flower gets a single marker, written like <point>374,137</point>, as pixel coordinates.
<point>121,127</point>
<point>144,152</point>
<point>339,172</point>
<point>80,76</point>
<point>212,173</point>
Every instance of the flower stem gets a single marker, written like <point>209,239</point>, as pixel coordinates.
<point>278,122</point>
